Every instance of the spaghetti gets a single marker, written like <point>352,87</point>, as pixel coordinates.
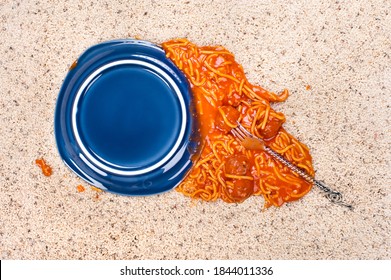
<point>223,97</point>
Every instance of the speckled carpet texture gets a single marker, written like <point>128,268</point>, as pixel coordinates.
<point>341,49</point>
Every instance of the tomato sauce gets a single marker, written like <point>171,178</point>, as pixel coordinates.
<point>223,97</point>
<point>46,169</point>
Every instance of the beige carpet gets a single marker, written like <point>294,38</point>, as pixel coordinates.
<point>340,48</point>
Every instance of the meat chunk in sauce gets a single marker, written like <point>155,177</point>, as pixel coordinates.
<point>230,113</point>
<point>271,129</point>
<point>242,188</point>
<point>237,165</point>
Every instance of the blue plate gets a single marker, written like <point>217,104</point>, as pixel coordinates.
<point>124,120</point>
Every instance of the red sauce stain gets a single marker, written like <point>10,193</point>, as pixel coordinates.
<point>46,169</point>
<point>74,64</point>
<point>80,188</point>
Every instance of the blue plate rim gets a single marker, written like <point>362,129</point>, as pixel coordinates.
<point>160,180</point>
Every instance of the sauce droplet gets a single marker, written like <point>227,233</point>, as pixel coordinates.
<point>96,189</point>
<point>80,188</point>
<point>74,64</point>
<point>46,169</point>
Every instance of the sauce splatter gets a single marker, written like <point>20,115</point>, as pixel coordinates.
<point>46,169</point>
<point>80,188</point>
<point>307,87</point>
<point>96,189</point>
<point>96,197</point>
<point>223,97</point>
<point>74,64</point>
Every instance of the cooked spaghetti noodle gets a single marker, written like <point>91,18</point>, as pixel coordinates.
<point>223,97</point>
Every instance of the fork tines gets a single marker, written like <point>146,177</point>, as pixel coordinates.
<point>241,133</point>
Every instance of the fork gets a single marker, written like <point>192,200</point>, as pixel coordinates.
<point>251,142</point>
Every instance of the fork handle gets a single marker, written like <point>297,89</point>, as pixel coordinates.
<point>333,196</point>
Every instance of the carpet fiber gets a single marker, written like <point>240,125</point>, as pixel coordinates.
<point>341,49</point>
